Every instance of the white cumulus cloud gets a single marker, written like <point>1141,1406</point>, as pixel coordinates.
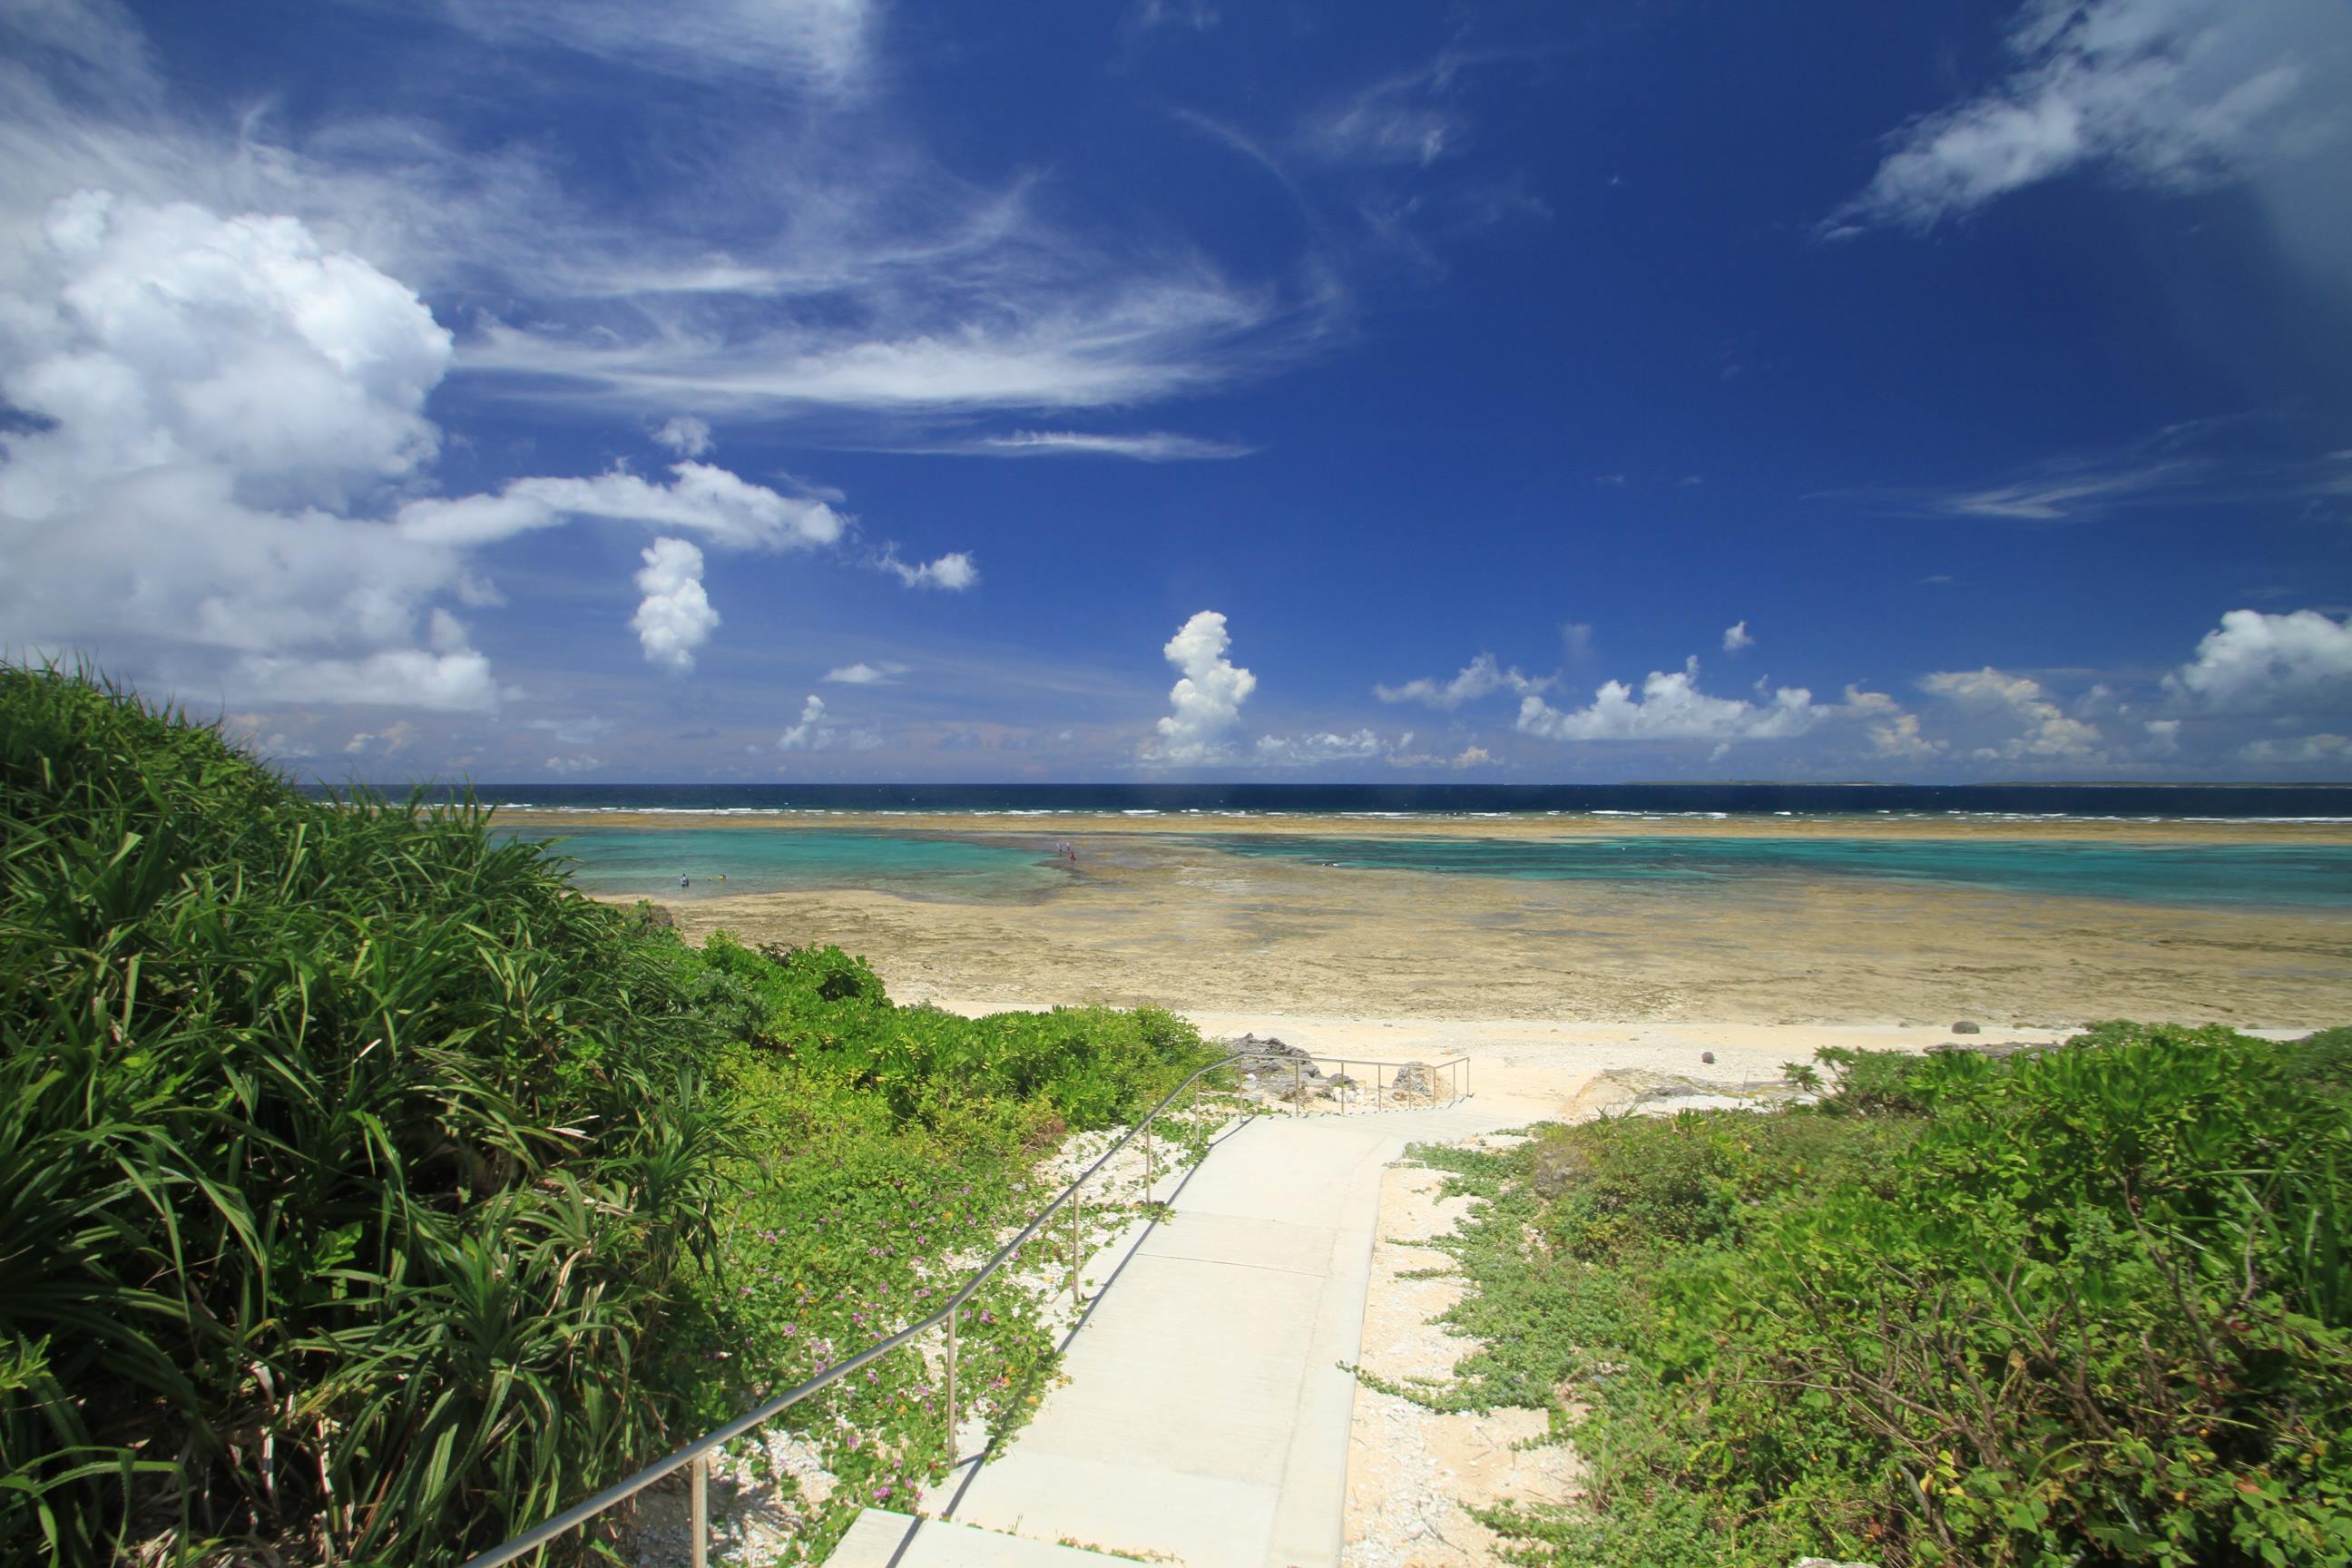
<point>1736,638</point>
<point>818,731</point>
<point>2254,662</point>
<point>1671,707</point>
<point>1207,697</point>
<point>686,436</point>
<point>211,394</point>
<point>1306,751</point>
<point>675,618</point>
<point>1480,677</point>
<point>954,571</point>
<point>216,486</point>
<point>814,731</point>
<point>2026,723</point>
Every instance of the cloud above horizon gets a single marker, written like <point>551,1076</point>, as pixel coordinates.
<point>954,572</point>
<point>2173,95</point>
<point>389,402</point>
<point>1142,445</point>
<point>2039,730</point>
<point>820,44</point>
<point>1206,700</point>
<point>1671,707</point>
<point>675,618</point>
<point>1480,677</point>
<point>864,674</point>
<point>817,730</point>
<point>2254,662</point>
<point>221,431</point>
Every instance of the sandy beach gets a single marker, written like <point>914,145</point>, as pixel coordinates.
<point>1571,975</point>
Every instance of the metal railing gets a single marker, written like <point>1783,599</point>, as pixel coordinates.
<point>695,1458</point>
<point>1383,1095</point>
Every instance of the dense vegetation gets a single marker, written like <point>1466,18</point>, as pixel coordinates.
<point>2088,1306</point>
<point>366,1193</point>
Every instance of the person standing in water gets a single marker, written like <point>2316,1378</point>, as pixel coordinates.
<point>681,882</point>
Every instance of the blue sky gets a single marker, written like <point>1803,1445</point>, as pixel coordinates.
<point>833,389</point>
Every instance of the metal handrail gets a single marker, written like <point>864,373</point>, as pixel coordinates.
<point>698,1453</point>
<point>1299,1082</point>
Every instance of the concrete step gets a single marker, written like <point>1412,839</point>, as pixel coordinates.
<point>881,1540</point>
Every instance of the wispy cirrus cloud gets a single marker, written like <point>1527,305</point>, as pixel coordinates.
<point>1132,339</point>
<point>1142,445</point>
<point>852,281</point>
<point>2202,462</point>
<point>823,45</point>
<point>2057,500</point>
<point>2176,94</point>
<point>1371,170</point>
<point>2173,96</point>
<point>884,673</point>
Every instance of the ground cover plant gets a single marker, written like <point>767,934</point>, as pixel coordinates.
<point>367,1194</point>
<point>2086,1306</point>
<point>893,1147</point>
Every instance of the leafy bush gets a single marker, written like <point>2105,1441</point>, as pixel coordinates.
<point>2093,1306</point>
<point>1877,1083</point>
<point>2321,1063</point>
<point>826,1012</point>
<point>345,1159</point>
<point>367,1193</point>
<point>1634,1183</point>
<point>888,1147</point>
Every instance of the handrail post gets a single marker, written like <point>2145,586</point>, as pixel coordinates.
<point>1298,1085</point>
<point>1376,1088</point>
<point>1151,1162</point>
<point>951,1402</point>
<point>698,1509</point>
<point>695,1459</point>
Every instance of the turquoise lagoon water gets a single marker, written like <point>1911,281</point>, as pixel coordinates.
<point>2305,876</point>
<point>647,863</point>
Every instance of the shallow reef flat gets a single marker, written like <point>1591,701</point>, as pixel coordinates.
<point>1185,924</point>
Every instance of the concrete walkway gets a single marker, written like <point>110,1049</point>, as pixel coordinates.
<point>1206,1417</point>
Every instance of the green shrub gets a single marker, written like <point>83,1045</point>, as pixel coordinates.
<point>346,1159</point>
<point>1879,1083</point>
<point>827,1013</point>
<point>2321,1063</point>
<point>2091,1306</point>
<point>1636,1183</point>
<point>366,1193</point>
<point>886,1148</point>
